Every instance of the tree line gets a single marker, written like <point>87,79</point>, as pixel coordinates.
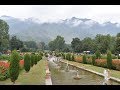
<point>101,43</point>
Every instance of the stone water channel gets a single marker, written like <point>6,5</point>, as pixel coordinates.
<point>60,77</point>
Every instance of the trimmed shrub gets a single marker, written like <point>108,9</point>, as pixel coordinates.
<point>73,58</point>
<point>68,56</point>
<point>78,59</point>
<point>32,59</point>
<point>98,54</point>
<point>36,59</point>
<point>101,63</point>
<point>39,57</point>
<point>84,59</point>
<point>93,59</point>
<point>109,60</point>
<point>116,64</point>
<point>27,62</point>
<point>14,66</point>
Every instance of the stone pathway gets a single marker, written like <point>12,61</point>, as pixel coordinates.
<point>48,80</point>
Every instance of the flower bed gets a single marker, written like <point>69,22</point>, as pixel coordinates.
<point>4,66</point>
<point>78,59</point>
<point>101,62</point>
<point>116,64</point>
<point>4,74</point>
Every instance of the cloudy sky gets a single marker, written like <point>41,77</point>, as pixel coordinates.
<point>100,13</point>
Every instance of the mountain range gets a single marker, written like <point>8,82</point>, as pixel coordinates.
<point>33,29</point>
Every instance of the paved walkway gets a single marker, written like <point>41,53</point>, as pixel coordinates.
<point>48,80</point>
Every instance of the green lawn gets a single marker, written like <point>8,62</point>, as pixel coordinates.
<point>114,73</point>
<point>36,76</point>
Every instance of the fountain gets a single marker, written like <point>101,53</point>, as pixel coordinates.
<point>67,67</point>
<point>77,77</point>
<point>61,77</point>
<point>106,77</point>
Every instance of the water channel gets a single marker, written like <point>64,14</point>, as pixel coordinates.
<point>60,77</point>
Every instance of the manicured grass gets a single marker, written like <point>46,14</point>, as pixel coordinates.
<point>114,73</point>
<point>36,76</point>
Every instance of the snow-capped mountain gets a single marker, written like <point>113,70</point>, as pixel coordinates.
<point>34,29</point>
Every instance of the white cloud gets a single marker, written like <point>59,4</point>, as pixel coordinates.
<point>100,13</point>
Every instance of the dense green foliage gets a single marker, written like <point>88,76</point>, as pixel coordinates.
<point>57,44</point>
<point>76,45</point>
<point>27,62</point>
<point>36,59</point>
<point>4,35</point>
<point>32,59</point>
<point>14,66</point>
<point>5,57</point>
<point>109,60</point>
<point>98,54</point>
<point>84,59</point>
<point>93,59</point>
<point>15,43</point>
<point>72,57</point>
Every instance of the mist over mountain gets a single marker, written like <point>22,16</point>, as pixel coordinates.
<point>33,29</point>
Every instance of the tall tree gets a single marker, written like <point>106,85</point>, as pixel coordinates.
<point>57,44</point>
<point>88,44</point>
<point>4,35</point>
<point>41,45</point>
<point>32,45</point>
<point>103,42</point>
<point>76,45</point>
<point>15,43</point>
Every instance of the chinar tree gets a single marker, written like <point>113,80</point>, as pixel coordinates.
<point>4,36</point>
<point>57,44</point>
<point>14,66</point>
<point>76,45</point>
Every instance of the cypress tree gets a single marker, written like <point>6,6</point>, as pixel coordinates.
<point>109,60</point>
<point>36,59</point>
<point>73,57</point>
<point>69,56</point>
<point>14,66</point>
<point>84,59</point>
<point>32,60</point>
<point>93,59</point>
<point>98,55</point>
<point>27,62</point>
